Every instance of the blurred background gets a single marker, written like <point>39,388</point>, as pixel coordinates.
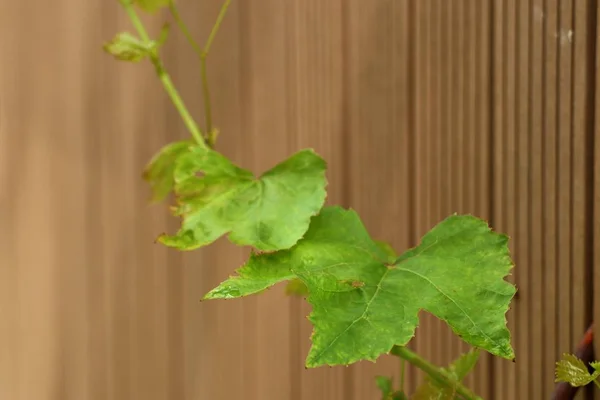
<point>421,108</point>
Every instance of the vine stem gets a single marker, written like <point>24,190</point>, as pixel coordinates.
<point>433,371</point>
<point>202,53</point>
<point>203,56</point>
<point>164,76</point>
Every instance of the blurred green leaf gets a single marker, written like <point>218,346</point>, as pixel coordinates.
<point>126,47</point>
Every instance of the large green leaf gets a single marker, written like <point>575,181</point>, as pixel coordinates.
<point>269,213</point>
<point>364,302</point>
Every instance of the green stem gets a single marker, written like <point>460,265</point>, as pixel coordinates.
<point>215,28</point>
<point>203,56</point>
<point>596,383</point>
<point>164,76</point>
<point>206,93</point>
<point>433,371</point>
<point>183,27</point>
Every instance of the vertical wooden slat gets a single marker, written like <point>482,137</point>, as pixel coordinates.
<point>422,127</point>
<point>266,97</point>
<point>378,98</point>
<point>315,34</point>
<point>470,187</point>
<point>439,21</point>
<point>583,43</point>
<point>482,138</point>
<point>522,150</point>
<point>422,148</point>
<point>563,245</point>
<point>549,223</point>
<point>535,196</point>
<point>514,375</point>
<point>498,122</point>
<point>582,165</point>
<point>109,154</point>
<point>12,152</point>
<point>596,182</point>
<point>70,211</point>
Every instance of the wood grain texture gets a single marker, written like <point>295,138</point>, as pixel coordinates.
<point>421,109</point>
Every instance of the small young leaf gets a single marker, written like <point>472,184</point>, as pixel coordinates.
<point>269,213</point>
<point>296,287</point>
<point>385,386</point>
<point>464,364</point>
<point>159,171</point>
<point>572,370</point>
<point>152,5</point>
<point>363,305</point>
<point>126,47</point>
<point>458,370</point>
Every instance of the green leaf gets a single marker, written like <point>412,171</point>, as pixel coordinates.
<point>363,304</point>
<point>269,213</point>
<point>159,171</point>
<point>388,249</point>
<point>458,370</point>
<point>152,5</point>
<point>296,287</point>
<point>572,370</point>
<point>385,386</point>
<point>126,47</point>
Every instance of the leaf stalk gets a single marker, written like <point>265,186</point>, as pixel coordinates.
<point>164,76</point>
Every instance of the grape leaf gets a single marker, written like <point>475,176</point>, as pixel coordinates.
<point>363,304</point>
<point>126,47</point>
<point>152,5</point>
<point>458,370</point>
<point>573,370</point>
<point>296,287</point>
<point>269,213</point>
<point>159,171</point>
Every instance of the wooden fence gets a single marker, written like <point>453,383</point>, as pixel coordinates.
<point>421,107</point>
